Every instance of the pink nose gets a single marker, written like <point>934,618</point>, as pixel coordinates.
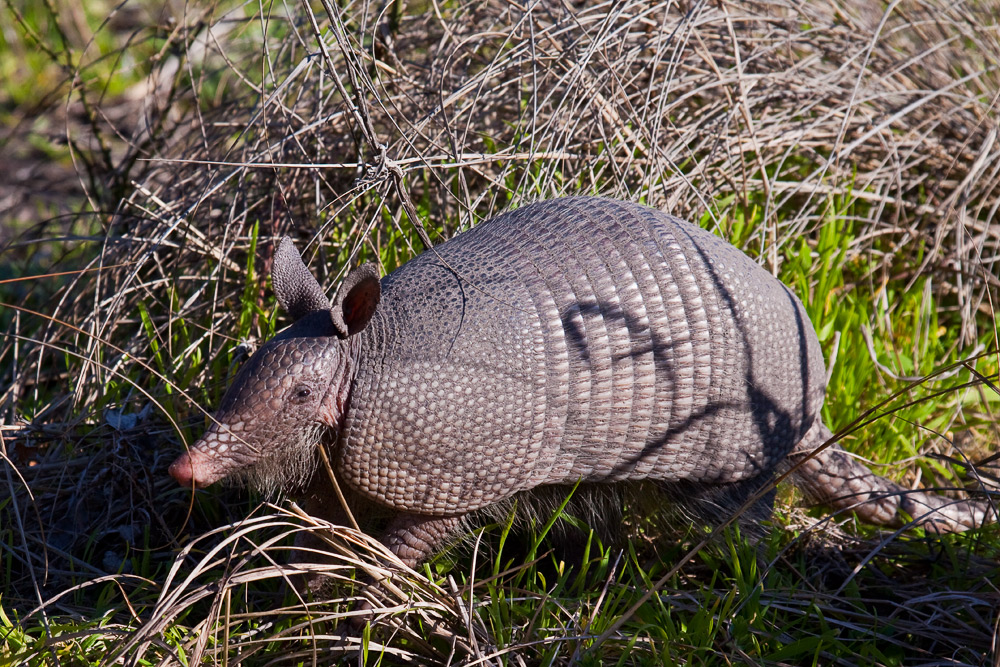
<point>186,471</point>
<point>181,470</point>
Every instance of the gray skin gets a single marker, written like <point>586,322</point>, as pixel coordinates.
<point>574,340</point>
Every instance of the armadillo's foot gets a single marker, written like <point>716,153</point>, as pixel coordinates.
<point>309,548</point>
<point>833,478</point>
<point>414,538</point>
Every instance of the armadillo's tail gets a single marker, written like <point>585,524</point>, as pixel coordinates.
<point>834,478</point>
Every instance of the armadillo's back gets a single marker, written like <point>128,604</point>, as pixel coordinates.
<point>572,339</point>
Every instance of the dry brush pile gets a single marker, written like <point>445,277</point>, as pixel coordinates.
<point>347,125</point>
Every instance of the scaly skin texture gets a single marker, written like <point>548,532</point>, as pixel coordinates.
<point>578,339</point>
<point>574,340</point>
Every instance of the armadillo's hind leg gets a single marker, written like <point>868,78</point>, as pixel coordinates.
<point>833,478</point>
<point>414,538</point>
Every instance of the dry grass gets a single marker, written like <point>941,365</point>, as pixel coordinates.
<point>345,125</point>
<point>701,109</point>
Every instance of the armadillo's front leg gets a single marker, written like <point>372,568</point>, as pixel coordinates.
<point>319,501</point>
<point>414,538</point>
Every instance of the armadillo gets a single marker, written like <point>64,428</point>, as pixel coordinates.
<point>578,340</point>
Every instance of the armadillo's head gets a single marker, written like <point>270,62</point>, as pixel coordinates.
<point>266,429</point>
<point>292,389</point>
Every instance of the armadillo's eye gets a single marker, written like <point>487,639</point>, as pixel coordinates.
<point>301,393</point>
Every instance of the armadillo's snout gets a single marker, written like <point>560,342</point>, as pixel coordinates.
<point>193,468</point>
<point>182,470</point>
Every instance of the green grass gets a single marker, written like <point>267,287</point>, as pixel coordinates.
<point>722,603</point>
<point>730,599</point>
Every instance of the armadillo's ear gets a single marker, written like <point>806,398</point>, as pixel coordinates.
<point>297,291</point>
<point>356,300</point>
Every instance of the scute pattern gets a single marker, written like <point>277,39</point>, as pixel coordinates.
<point>576,339</point>
<point>256,400</point>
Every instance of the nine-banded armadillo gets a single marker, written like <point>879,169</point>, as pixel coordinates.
<point>573,340</point>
